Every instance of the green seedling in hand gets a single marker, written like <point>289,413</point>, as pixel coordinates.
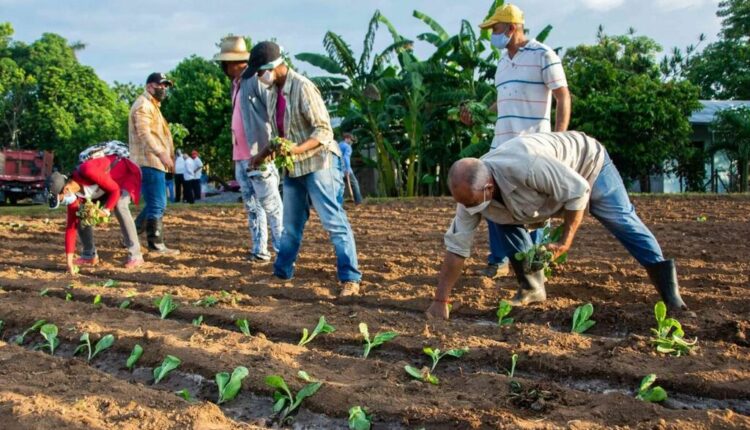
<point>198,321</point>
<point>283,150</point>
<point>207,302</point>
<point>134,356</point>
<point>437,356</point>
<point>538,257</point>
<point>284,402</point>
<point>648,393</point>
<point>90,214</point>
<point>359,419</point>
<point>503,309</point>
<point>166,305</point>
<point>581,321</point>
<point>18,339</point>
<point>184,393</point>
<point>169,364</point>
<point>244,326</point>
<point>423,375</point>
<point>669,336</point>
<point>378,340</point>
<point>229,386</point>
<point>49,333</point>
<point>322,327</point>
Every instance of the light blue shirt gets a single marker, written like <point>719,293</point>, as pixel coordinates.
<point>346,156</point>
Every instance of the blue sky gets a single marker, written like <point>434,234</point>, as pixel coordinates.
<point>126,40</point>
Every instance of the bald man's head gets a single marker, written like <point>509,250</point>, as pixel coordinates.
<point>469,179</point>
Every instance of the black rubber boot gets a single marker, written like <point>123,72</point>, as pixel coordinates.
<point>664,277</point>
<point>530,285</point>
<point>155,235</point>
<point>141,228</point>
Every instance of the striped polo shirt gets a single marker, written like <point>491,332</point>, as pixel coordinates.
<point>524,91</point>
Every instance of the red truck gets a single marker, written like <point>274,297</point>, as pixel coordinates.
<point>23,174</point>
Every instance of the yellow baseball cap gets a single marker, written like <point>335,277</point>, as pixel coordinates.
<point>508,13</point>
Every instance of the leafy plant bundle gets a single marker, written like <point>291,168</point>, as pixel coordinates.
<point>538,257</point>
<point>169,364</point>
<point>104,343</point>
<point>285,403</point>
<point>90,213</point>
<point>322,327</point>
<point>283,150</point>
<point>228,385</point>
<point>647,393</point>
<point>18,339</point>
<point>581,321</point>
<point>503,309</point>
<point>668,334</point>
<point>378,340</point>
<point>165,305</point>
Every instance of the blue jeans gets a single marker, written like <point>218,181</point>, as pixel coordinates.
<point>610,205</point>
<point>170,189</point>
<point>356,194</point>
<point>322,189</point>
<point>153,195</point>
<point>498,250</point>
<point>263,206</point>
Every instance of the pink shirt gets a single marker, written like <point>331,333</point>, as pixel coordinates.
<point>240,148</point>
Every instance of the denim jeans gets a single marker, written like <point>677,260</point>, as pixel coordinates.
<point>610,205</point>
<point>170,189</point>
<point>262,201</point>
<point>153,195</point>
<point>356,194</point>
<point>322,188</point>
<point>498,250</point>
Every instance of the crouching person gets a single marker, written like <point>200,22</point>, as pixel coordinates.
<point>111,180</point>
<point>530,179</point>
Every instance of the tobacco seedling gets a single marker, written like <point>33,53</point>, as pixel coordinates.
<point>513,362</point>
<point>229,386</point>
<point>538,257</point>
<point>108,283</point>
<point>423,375</point>
<point>134,356</point>
<point>166,305</point>
<point>68,297</point>
<point>305,376</point>
<point>436,356</point>
<point>18,339</point>
<point>90,213</point>
<point>669,334</point>
<point>49,333</point>
<point>97,300</point>
<point>243,326</point>
<point>378,340</point>
<point>359,419</point>
<point>125,304</point>
<point>284,402</point>
<point>198,321</point>
<point>104,343</point>
<point>169,364</point>
<point>503,309</point>
<point>648,393</point>
<point>322,327</point>
<point>44,292</point>
<point>207,302</point>
<point>581,321</point>
<point>283,149</point>
<point>184,393</point>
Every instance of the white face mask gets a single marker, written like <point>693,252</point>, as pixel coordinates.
<point>473,210</point>
<point>68,199</point>
<point>267,77</point>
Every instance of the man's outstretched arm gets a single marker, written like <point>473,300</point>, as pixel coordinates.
<point>450,271</point>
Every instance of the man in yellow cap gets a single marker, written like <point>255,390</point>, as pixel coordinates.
<point>527,77</point>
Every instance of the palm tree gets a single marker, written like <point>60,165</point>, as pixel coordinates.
<point>354,88</point>
<point>732,135</point>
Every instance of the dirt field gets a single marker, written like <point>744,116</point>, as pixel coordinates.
<point>569,380</point>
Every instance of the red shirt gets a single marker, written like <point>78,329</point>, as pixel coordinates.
<point>124,175</point>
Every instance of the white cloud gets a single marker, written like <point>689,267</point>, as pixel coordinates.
<point>602,5</point>
<point>671,5</point>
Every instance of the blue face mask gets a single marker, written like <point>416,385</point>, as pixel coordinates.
<point>68,199</point>
<point>499,41</point>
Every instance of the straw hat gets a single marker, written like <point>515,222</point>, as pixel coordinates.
<point>233,48</point>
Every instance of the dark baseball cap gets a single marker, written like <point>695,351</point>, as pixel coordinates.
<point>55,184</point>
<point>158,78</point>
<point>261,55</point>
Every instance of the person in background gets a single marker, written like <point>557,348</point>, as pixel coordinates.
<point>251,130</point>
<point>111,180</point>
<point>169,182</point>
<point>179,176</point>
<point>298,113</point>
<point>528,76</point>
<point>196,175</point>
<point>152,149</point>
<point>189,188</point>
<point>350,180</point>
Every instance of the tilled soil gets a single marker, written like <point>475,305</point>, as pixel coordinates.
<point>567,380</point>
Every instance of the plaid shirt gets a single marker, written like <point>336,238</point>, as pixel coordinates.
<point>305,117</point>
<point>148,133</point>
